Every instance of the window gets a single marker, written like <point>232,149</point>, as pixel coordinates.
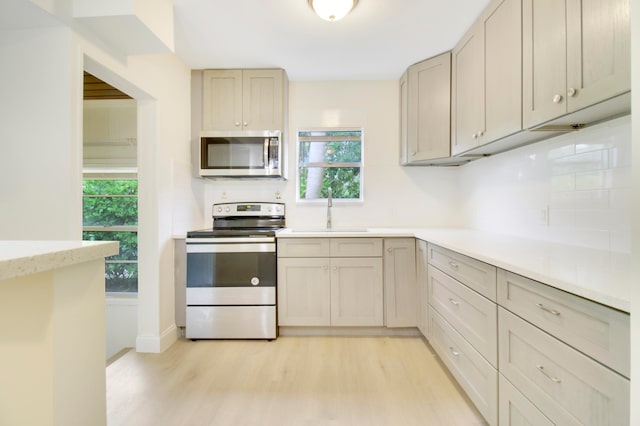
<point>330,159</point>
<point>110,213</point>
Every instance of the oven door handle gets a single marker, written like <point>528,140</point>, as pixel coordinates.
<point>218,240</point>
<point>232,248</point>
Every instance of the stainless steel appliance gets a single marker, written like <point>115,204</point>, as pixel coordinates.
<point>231,273</point>
<point>241,154</point>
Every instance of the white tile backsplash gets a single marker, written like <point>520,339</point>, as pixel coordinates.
<point>583,178</point>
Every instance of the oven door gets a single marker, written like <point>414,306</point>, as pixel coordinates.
<point>231,271</point>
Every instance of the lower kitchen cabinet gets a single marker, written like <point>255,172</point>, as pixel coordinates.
<point>423,287</point>
<point>566,385</point>
<point>400,287</point>
<point>476,376</point>
<point>516,410</point>
<point>304,292</point>
<point>356,292</point>
<point>330,282</point>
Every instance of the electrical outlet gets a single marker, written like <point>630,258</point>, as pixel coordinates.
<point>543,216</point>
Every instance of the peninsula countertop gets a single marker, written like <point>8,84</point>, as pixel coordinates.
<point>602,276</point>
<point>24,257</point>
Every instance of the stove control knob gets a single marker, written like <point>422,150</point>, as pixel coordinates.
<point>255,281</point>
<point>219,209</point>
<point>227,209</point>
<point>278,208</point>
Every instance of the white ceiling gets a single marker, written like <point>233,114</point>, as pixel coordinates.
<point>376,41</point>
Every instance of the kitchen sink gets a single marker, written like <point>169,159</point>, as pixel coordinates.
<point>333,230</point>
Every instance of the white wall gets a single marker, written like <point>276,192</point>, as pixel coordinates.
<point>40,157</point>
<point>393,195</point>
<point>41,161</point>
<point>584,178</point>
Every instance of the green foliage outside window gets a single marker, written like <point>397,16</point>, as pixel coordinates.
<point>330,159</point>
<point>113,204</point>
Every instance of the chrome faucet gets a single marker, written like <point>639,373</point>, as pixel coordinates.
<point>329,205</point>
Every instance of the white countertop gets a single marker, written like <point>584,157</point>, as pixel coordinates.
<point>18,258</point>
<point>599,275</point>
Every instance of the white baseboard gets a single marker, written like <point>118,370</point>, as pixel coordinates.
<point>157,344</point>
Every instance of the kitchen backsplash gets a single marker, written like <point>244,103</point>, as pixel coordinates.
<point>573,189</point>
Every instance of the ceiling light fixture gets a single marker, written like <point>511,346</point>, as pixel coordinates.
<point>332,10</point>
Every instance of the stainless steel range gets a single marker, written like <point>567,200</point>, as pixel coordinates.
<point>231,273</point>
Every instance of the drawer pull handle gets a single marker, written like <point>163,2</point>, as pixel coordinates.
<point>542,370</point>
<point>551,311</point>
<point>453,265</point>
<point>454,302</point>
<point>453,351</point>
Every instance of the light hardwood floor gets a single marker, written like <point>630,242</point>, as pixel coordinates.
<point>289,381</point>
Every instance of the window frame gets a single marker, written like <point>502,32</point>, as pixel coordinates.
<point>359,165</point>
<point>113,175</point>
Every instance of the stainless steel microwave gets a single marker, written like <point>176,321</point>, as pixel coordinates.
<point>242,154</point>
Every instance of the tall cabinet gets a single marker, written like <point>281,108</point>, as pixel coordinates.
<point>486,82</point>
<point>575,53</point>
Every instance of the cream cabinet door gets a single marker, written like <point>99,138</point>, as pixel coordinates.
<point>429,109</point>
<point>467,88</point>
<point>514,409</point>
<point>404,119</point>
<point>303,292</point>
<point>544,62</point>
<point>567,386</point>
<point>598,51</point>
<point>356,292</point>
<point>262,99</point>
<point>222,100</point>
<point>400,289</point>
<point>503,70</point>
<point>423,287</point>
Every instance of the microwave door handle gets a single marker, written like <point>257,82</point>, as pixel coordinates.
<point>266,153</point>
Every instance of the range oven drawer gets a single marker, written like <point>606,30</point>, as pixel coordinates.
<point>231,296</point>
<point>231,322</point>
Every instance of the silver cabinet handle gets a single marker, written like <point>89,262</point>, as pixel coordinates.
<point>453,265</point>
<point>453,351</point>
<point>454,302</point>
<point>237,123</point>
<point>246,124</point>
<point>543,371</point>
<point>557,99</point>
<point>551,311</point>
<point>474,136</point>
<point>572,92</point>
<point>389,250</point>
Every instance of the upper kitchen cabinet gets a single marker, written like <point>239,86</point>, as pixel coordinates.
<point>244,99</point>
<point>487,78</point>
<point>425,110</point>
<point>576,53</point>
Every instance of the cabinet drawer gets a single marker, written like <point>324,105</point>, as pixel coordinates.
<point>473,316</point>
<point>598,331</point>
<point>356,247</point>
<point>480,276</point>
<point>516,410</point>
<point>474,374</point>
<point>303,247</point>
<point>567,386</point>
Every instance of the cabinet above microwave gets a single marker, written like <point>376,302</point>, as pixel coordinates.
<point>242,154</point>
